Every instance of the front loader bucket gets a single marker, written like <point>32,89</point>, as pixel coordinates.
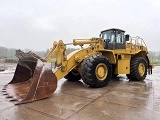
<point>33,79</point>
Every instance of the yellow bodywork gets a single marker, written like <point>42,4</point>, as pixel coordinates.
<point>119,57</point>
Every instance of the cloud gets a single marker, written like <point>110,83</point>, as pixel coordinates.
<point>35,24</point>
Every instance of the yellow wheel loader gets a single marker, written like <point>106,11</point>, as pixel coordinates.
<point>111,54</point>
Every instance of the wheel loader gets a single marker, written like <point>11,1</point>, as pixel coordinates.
<point>105,57</point>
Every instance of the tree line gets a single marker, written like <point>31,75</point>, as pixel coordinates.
<point>9,53</point>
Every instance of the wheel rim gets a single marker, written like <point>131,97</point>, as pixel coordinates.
<point>141,69</point>
<point>101,71</point>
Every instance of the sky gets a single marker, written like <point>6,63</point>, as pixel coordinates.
<point>36,24</point>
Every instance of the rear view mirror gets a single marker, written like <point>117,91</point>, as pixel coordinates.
<point>127,37</point>
<point>100,35</point>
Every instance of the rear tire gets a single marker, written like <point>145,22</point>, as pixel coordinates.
<point>138,69</point>
<point>96,71</point>
<point>73,76</point>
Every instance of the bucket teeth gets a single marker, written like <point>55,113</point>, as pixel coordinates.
<point>3,91</point>
<point>9,97</point>
<point>13,100</point>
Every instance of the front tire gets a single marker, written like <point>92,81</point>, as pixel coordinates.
<point>138,69</point>
<point>96,71</point>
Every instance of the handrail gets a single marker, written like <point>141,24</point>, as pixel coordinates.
<point>136,39</point>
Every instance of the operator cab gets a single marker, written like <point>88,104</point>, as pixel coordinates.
<point>114,38</point>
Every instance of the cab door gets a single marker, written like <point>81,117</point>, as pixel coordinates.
<point>119,40</point>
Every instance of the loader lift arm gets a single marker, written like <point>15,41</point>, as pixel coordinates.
<point>58,49</point>
<point>64,64</point>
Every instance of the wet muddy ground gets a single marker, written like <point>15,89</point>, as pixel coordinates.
<point>120,100</point>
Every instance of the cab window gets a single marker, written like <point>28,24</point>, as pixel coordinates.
<point>108,36</point>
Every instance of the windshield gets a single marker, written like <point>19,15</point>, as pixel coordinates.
<point>113,36</point>
<point>109,36</point>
